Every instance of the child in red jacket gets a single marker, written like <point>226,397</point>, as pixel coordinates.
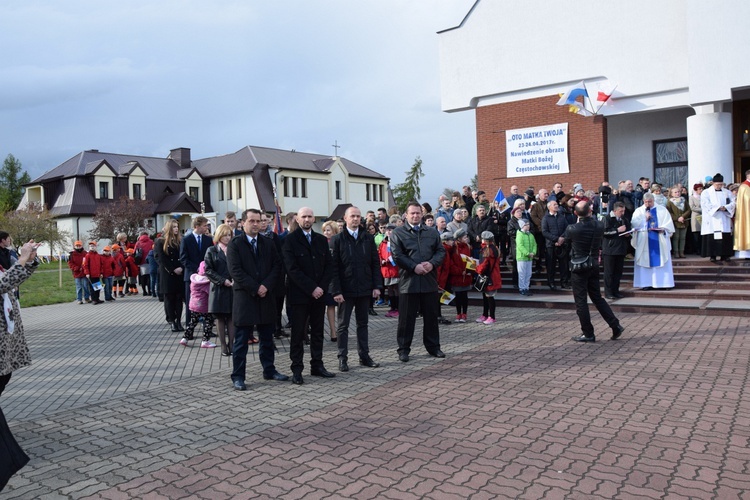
<point>108,271</point>
<point>461,278</point>
<point>119,274</point>
<point>389,271</point>
<point>131,271</point>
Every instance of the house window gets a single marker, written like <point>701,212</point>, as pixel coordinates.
<point>239,188</point>
<point>221,190</point>
<point>338,190</point>
<point>304,187</point>
<point>136,191</point>
<point>380,190</point>
<point>286,187</point>
<point>367,192</point>
<point>103,190</point>
<point>229,189</point>
<point>671,162</point>
<point>194,193</point>
<point>294,187</point>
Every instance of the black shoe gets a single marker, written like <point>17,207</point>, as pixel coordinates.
<point>583,338</point>
<point>618,295</point>
<point>725,259</point>
<point>438,354</point>
<point>609,297</point>
<point>343,365</point>
<point>566,287</point>
<point>444,321</point>
<point>553,288</point>
<point>239,385</point>
<point>713,260</point>
<point>334,339</point>
<point>179,326</point>
<point>403,357</point>
<point>277,376</point>
<point>372,312</point>
<point>174,326</point>
<point>288,324</point>
<point>297,379</point>
<point>617,331</point>
<point>226,354</point>
<point>321,372</point>
<point>368,362</point>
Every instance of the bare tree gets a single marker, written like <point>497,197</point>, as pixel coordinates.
<point>122,216</point>
<point>33,223</point>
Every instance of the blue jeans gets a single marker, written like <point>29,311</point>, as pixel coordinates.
<point>108,288</point>
<point>82,289</point>
<point>154,284</point>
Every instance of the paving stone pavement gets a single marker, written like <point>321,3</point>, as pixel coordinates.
<point>114,408</point>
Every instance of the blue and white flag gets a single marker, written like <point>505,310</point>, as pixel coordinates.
<point>502,203</point>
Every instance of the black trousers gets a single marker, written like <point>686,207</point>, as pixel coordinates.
<point>587,284</point>
<point>408,306</point>
<point>360,306</point>
<point>265,350</point>
<point>173,306</point>
<point>300,315</point>
<point>613,265</point>
<point>555,261</point>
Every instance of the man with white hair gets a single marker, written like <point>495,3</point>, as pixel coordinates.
<point>652,229</point>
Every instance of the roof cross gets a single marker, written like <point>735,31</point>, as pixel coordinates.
<point>336,147</point>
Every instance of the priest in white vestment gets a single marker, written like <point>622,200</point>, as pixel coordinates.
<point>652,229</point>
<point>718,204</point>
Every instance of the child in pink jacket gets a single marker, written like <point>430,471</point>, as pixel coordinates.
<point>199,288</point>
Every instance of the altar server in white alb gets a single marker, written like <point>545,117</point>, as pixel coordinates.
<point>718,204</point>
<point>652,229</point>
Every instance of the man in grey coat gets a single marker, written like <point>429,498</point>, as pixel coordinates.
<point>254,265</point>
<point>418,253</point>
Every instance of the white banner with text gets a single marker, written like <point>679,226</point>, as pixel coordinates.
<point>537,150</point>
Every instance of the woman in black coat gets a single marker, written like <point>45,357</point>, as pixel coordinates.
<point>171,283</point>
<point>220,296</point>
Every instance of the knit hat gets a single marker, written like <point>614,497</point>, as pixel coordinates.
<point>697,185</point>
<point>92,243</point>
<point>390,226</point>
<point>577,187</point>
<point>129,251</point>
<point>521,224</point>
<point>460,233</point>
<point>446,236</point>
<point>487,235</point>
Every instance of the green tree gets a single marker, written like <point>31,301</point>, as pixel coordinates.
<point>409,189</point>
<point>33,223</point>
<point>11,181</point>
<point>474,182</point>
<point>123,216</point>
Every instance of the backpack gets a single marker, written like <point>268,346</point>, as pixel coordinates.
<point>138,256</point>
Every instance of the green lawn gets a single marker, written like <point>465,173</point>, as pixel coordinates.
<point>43,287</point>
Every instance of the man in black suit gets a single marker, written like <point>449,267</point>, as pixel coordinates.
<point>309,268</point>
<point>254,265</point>
<point>356,280</point>
<point>614,249</point>
<point>418,253</point>
<point>192,251</point>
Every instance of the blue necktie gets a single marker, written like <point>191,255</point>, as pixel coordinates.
<point>254,244</point>
<point>309,238</point>
<point>199,242</point>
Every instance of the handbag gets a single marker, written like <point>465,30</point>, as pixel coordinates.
<point>580,265</point>
<point>480,282</point>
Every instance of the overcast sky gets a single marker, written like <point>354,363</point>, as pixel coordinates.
<point>214,76</point>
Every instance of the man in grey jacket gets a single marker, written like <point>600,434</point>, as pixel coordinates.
<point>418,253</point>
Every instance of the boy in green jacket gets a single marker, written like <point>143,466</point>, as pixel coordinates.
<point>525,251</point>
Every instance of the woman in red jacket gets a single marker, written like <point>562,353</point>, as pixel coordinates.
<point>460,278</point>
<point>389,271</point>
<point>489,266</point>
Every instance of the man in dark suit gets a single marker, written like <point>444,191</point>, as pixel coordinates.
<point>309,268</point>
<point>356,280</point>
<point>254,265</point>
<point>418,253</point>
<point>192,251</point>
<point>614,249</point>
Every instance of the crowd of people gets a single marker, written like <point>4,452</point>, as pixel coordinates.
<point>237,281</point>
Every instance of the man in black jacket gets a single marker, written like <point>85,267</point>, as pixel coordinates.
<point>307,260</point>
<point>418,253</point>
<point>553,229</point>
<point>478,224</point>
<point>254,265</point>
<point>356,280</point>
<point>614,249</point>
<point>585,239</point>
